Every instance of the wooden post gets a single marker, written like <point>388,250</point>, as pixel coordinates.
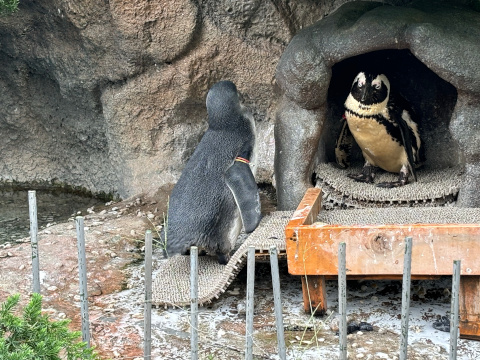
<point>250,304</point>
<point>32,207</point>
<point>277,303</point>
<point>314,294</point>
<point>469,306</point>
<point>82,271</point>
<point>454,311</point>
<point>407,266</point>
<point>342,300</point>
<point>147,338</point>
<point>194,302</point>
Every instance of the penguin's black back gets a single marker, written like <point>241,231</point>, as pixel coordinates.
<point>201,206</point>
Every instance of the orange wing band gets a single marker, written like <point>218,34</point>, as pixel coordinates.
<point>238,158</point>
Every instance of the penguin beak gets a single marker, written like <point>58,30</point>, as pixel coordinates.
<point>364,95</point>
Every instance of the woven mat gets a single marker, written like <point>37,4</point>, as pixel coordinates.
<point>171,286</point>
<point>401,215</point>
<point>435,187</point>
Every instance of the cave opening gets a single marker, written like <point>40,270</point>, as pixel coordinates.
<point>432,99</point>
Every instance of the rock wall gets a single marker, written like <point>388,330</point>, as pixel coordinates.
<point>110,95</point>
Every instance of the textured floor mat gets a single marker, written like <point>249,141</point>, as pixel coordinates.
<point>401,215</point>
<point>171,286</point>
<point>435,187</point>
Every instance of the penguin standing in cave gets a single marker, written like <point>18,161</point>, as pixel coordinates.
<point>217,191</point>
<point>381,123</point>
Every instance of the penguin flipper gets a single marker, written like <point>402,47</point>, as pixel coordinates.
<point>343,146</point>
<point>241,182</point>
<point>407,143</point>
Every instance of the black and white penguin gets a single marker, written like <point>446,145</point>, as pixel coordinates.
<point>382,125</point>
<point>217,188</point>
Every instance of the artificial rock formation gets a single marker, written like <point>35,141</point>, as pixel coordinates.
<point>429,49</point>
<point>110,96</point>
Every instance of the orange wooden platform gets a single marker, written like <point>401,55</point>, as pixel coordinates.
<point>376,251</point>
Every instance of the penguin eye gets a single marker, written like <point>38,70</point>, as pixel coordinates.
<point>360,84</point>
<point>377,86</point>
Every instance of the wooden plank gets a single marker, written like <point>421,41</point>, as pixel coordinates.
<point>306,213</point>
<point>469,307</point>
<point>314,294</point>
<point>378,250</point>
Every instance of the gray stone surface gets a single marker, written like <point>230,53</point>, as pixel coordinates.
<point>441,37</point>
<point>110,96</point>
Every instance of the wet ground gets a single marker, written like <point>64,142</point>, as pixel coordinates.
<point>53,207</point>
<point>114,238</point>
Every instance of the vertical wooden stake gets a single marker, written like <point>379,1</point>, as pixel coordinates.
<point>194,302</point>
<point>454,312</point>
<point>82,270</point>
<point>147,338</point>
<point>407,267</point>
<point>342,300</point>
<point>32,209</point>
<point>277,303</point>
<point>250,304</point>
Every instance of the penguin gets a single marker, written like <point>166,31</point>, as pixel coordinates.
<point>381,123</point>
<point>216,191</point>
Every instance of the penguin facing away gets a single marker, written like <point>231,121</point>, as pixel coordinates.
<point>216,191</point>
<point>381,123</point>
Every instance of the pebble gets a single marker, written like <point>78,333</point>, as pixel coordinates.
<point>150,216</point>
<point>132,232</point>
<point>241,308</point>
<point>52,288</point>
<point>360,356</point>
<point>21,267</point>
<point>235,291</point>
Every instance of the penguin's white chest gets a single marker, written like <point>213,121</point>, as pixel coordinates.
<point>378,147</point>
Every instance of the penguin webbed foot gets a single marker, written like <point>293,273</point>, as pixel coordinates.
<point>392,184</point>
<point>223,259</point>
<point>402,180</point>
<point>361,178</point>
<point>201,252</point>
<point>367,175</point>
